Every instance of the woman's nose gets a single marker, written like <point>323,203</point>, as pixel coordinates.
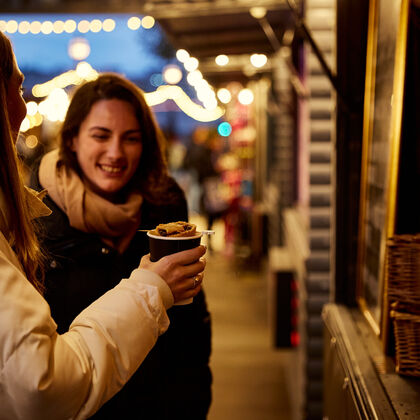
<point>115,149</point>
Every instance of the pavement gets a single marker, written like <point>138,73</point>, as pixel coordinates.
<point>251,378</point>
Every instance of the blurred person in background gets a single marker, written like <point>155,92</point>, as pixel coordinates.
<point>108,179</point>
<point>202,160</point>
<point>44,374</point>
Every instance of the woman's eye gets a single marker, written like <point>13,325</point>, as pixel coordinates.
<point>133,139</point>
<point>100,136</point>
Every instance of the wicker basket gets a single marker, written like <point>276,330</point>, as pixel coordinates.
<point>403,270</point>
<point>407,341</point>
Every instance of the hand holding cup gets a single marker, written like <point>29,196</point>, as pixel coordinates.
<point>182,271</point>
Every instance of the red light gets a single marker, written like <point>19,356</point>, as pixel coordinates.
<point>294,338</point>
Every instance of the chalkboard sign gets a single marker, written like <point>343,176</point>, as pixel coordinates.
<point>385,68</point>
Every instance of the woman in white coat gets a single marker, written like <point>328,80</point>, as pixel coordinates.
<point>43,374</point>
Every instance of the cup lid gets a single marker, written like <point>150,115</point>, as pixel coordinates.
<point>175,238</point>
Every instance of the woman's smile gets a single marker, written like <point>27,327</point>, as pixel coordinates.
<point>112,169</point>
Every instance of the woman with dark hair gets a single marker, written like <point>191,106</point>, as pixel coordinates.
<point>44,374</point>
<point>108,179</point>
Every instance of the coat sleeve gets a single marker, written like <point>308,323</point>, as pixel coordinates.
<point>69,376</point>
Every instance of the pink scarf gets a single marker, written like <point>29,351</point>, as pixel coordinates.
<point>116,224</point>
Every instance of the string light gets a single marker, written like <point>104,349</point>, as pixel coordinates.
<point>222,60</point>
<point>258,60</point>
<point>245,97</point>
<point>55,105</point>
<point>191,64</point>
<point>134,23</point>
<point>224,95</point>
<point>182,55</point>
<point>148,22</point>
<point>70,25</point>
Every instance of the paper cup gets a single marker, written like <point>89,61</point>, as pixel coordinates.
<point>164,245</point>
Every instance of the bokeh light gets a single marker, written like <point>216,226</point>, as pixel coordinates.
<point>172,74</point>
<point>224,129</point>
<point>245,97</point>
<point>224,95</point>
<point>222,60</point>
<point>182,55</point>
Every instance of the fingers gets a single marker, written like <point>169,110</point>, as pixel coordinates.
<point>183,271</point>
<point>187,288</point>
<point>188,256</point>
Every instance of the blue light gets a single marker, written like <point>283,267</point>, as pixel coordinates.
<point>224,129</point>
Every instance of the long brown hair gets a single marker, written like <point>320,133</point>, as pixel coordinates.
<point>21,229</point>
<point>151,176</point>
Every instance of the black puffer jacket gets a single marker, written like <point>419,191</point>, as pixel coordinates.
<point>174,381</point>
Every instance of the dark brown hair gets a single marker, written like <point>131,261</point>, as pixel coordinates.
<point>151,175</point>
<point>21,229</point>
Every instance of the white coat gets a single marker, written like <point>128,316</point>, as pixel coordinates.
<point>44,375</point>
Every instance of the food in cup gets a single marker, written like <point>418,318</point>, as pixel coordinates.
<point>175,229</point>
<point>173,237</point>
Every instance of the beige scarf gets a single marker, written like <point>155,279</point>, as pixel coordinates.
<point>116,224</point>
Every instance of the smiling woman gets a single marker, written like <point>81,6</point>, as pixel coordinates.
<point>107,180</point>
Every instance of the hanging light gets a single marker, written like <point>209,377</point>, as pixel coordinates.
<point>79,49</point>
<point>258,60</point>
<point>222,60</point>
<point>172,74</point>
<point>245,97</point>
<point>224,95</point>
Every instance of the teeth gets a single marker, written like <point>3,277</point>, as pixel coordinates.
<point>111,169</point>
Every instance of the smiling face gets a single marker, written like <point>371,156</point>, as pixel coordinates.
<point>108,147</point>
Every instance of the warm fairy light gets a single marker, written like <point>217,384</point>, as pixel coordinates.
<point>163,93</point>
<point>31,108</point>
<point>25,126</point>
<point>194,77</point>
<point>58,27</point>
<point>224,95</point>
<point>95,25</point>
<point>148,22</point>
<point>24,27</point>
<point>222,60</point>
<point>191,64</point>
<point>83,26</point>
<point>134,23</point>
<point>182,55</point>
<point>245,97</point>
<point>11,26</point>
<point>46,27</point>
<point>258,60</point>
<point>70,26</point>
<point>54,107</point>
<point>85,71</point>
<point>57,97</point>
<point>35,27</point>
<point>31,141</point>
<point>172,74</point>
<point>258,12</point>
<point>206,94</point>
<point>72,77</point>
<point>79,48</point>
<point>210,103</point>
<point>108,25</point>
